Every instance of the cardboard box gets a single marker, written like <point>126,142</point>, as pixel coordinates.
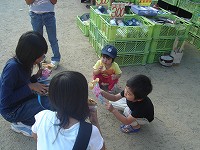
<point>177,57</point>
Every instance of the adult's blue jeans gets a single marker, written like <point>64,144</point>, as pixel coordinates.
<point>26,111</point>
<point>49,21</point>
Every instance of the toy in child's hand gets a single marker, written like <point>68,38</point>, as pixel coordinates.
<point>45,73</point>
<point>46,65</point>
<point>93,83</point>
<point>94,86</point>
<point>103,67</point>
<point>92,104</point>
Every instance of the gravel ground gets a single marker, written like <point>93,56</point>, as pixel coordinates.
<point>175,95</point>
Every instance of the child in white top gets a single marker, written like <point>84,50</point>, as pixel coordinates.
<point>68,93</point>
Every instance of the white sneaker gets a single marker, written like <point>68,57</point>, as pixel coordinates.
<point>55,64</point>
<point>22,128</point>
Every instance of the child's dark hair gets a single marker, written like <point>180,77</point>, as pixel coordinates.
<point>140,86</point>
<point>31,46</point>
<point>108,57</point>
<point>68,94</point>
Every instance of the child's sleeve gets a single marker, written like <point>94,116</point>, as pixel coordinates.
<point>96,140</point>
<point>38,118</point>
<point>97,65</point>
<point>117,69</point>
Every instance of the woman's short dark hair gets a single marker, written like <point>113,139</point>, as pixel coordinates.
<point>68,94</point>
<point>31,46</point>
<point>140,86</point>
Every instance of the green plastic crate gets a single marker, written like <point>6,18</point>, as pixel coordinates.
<point>179,29</point>
<point>172,2</point>
<point>145,2</point>
<point>94,44</point>
<point>92,40</point>
<point>153,57</point>
<point>162,11</point>
<point>163,44</point>
<point>122,60</point>
<point>94,16</point>
<point>93,29</point>
<point>130,60</point>
<point>125,47</point>
<point>83,27</point>
<point>125,1</point>
<point>194,40</point>
<point>195,1</point>
<point>189,5</point>
<point>196,18</point>
<point>195,30</point>
<point>126,33</point>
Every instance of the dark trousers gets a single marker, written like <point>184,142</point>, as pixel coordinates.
<point>26,111</point>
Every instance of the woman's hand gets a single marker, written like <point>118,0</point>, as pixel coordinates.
<point>39,73</point>
<point>39,88</point>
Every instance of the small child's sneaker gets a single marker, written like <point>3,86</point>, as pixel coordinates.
<point>128,129</point>
<point>22,128</point>
<point>55,64</point>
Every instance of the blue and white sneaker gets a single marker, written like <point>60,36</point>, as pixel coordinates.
<point>22,128</point>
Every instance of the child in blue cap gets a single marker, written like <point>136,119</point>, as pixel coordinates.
<point>106,69</point>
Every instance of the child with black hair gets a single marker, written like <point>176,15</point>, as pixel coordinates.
<point>18,87</point>
<point>140,109</point>
<point>106,69</point>
<point>68,93</point>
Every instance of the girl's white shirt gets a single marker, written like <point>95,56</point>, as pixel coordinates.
<point>50,138</point>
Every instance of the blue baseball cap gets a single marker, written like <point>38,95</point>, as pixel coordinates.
<point>110,51</point>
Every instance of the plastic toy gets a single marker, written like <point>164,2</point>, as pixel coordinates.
<point>94,86</point>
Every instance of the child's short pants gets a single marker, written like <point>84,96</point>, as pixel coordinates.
<point>140,121</point>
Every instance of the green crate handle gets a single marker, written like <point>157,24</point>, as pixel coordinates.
<point>192,1</point>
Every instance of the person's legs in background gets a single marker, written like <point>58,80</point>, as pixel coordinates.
<point>50,24</point>
<point>36,22</point>
<point>92,3</point>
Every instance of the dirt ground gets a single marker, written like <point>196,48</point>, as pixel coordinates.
<point>176,92</point>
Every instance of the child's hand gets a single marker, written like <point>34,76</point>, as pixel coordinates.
<point>100,68</point>
<point>113,76</point>
<point>93,116</point>
<point>109,106</point>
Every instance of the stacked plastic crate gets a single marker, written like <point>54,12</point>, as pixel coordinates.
<point>145,2</point>
<point>193,6</point>
<point>83,26</point>
<point>132,42</point>
<point>171,2</point>
<point>164,35</point>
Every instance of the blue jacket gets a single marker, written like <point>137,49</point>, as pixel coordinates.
<point>14,88</point>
